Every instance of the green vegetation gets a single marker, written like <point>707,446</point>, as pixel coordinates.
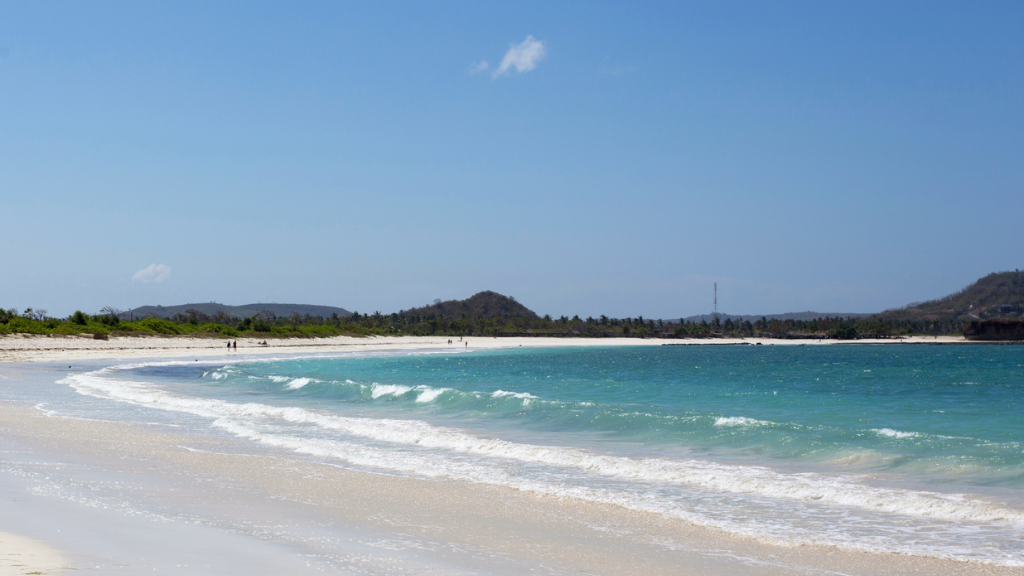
<point>195,325</point>
<point>508,318</point>
<point>491,314</point>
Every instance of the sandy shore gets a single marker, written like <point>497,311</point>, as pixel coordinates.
<point>134,499</point>
<point>216,504</point>
<point>24,348</point>
<point>20,555</point>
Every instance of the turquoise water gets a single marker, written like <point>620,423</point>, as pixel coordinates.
<point>911,449</point>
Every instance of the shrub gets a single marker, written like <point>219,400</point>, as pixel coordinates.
<point>26,326</point>
<point>160,326</point>
<point>68,329</point>
<point>843,332</point>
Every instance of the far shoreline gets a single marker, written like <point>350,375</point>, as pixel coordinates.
<point>34,348</point>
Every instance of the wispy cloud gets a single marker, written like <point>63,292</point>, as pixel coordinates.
<point>614,70</point>
<point>478,67</point>
<point>523,57</point>
<point>154,273</point>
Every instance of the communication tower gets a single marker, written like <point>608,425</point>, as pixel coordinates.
<point>716,302</point>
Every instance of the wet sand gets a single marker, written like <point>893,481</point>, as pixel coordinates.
<point>129,498</point>
<point>20,555</point>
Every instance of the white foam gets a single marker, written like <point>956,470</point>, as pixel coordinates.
<point>218,375</point>
<point>300,382</point>
<point>279,379</point>
<point>895,433</point>
<point>428,394</point>
<point>756,480</point>
<point>526,397</point>
<point>740,421</point>
<point>922,543</point>
<point>378,390</point>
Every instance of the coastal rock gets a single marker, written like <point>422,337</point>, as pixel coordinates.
<point>995,330</point>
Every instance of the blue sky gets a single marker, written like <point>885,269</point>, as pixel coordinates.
<point>824,156</point>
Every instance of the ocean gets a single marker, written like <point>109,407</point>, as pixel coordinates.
<point>909,449</point>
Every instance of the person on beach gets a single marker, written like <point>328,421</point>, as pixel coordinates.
<point>235,345</point>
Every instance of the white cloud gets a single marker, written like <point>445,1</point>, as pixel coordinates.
<point>478,67</point>
<point>523,57</point>
<point>153,273</point>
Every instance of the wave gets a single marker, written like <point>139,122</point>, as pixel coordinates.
<point>890,433</point>
<point>526,397</point>
<point>300,382</point>
<point>741,421</point>
<point>378,390</point>
<point>428,394</point>
<point>725,478</point>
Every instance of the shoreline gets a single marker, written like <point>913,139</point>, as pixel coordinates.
<point>213,498</point>
<point>215,488</point>
<point>21,555</point>
<point>32,348</point>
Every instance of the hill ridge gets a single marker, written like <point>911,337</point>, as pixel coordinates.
<point>999,295</point>
<point>242,311</point>
<point>486,304</point>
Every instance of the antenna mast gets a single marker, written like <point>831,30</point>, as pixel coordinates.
<point>716,301</point>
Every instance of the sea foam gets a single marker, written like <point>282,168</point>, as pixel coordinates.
<point>378,390</point>
<point>299,383</point>
<point>889,432</point>
<point>526,397</point>
<point>428,394</point>
<point>740,421</point>
<point>761,481</point>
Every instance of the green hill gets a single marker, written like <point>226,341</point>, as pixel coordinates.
<point>999,295</point>
<point>245,311</point>
<point>482,305</point>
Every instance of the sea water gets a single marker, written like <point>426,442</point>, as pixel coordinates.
<point>896,448</point>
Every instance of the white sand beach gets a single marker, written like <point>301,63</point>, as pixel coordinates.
<point>20,555</point>
<point>129,498</point>
<point>31,348</point>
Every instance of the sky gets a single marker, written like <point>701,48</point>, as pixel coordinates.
<point>584,157</point>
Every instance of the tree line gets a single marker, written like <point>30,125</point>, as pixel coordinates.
<point>111,321</point>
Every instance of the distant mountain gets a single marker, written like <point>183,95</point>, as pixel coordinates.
<point>755,317</point>
<point>483,305</point>
<point>999,295</point>
<point>244,311</point>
